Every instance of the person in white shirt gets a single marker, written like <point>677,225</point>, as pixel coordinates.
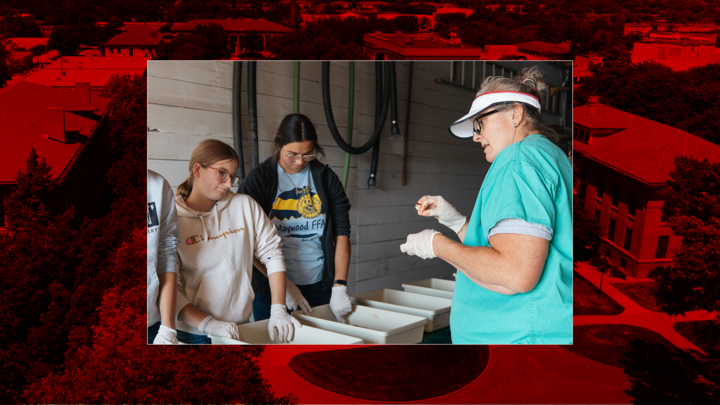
<point>220,233</point>
<point>162,260</point>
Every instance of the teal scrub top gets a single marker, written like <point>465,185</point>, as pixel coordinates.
<point>531,180</point>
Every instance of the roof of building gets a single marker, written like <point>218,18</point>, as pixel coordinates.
<point>96,70</point>
<point>138,36</point>
<point>642,148</point>
<point>417,41</point>
<point>261,26</point>
<point>540,46</point>
<point>19,55</point>
<point>28,43</point>
<point>23,121</point>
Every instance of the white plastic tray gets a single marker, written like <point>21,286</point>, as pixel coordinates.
<point>370,324</point>
<point>257,333</point>
<point>435,309</point>
<point>431,286</point>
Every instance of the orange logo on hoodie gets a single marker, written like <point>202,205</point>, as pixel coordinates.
<point>194,239</point>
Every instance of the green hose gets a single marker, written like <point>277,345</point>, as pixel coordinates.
<point>351,107</point>
<point>296,92</point>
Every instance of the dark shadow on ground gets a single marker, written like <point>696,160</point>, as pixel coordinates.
<point>687,329</point>
<point>586,302</point>
<point>661,375</point>
<point>393,373</point>
<point>643,293</point>
<point>607,343</point>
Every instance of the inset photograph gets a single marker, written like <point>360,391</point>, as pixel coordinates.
<point>360,202</point>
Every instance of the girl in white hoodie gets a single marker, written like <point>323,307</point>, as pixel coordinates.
<point>220,233</point>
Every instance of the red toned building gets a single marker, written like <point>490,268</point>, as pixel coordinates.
<point>139,42</point>
<point>69,129</point>
<point>624,161</point>
<point>237,29</point>
<point>399,46</point>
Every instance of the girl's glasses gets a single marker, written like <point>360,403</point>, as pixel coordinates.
<point>223,176</point>
<point>307,157</point>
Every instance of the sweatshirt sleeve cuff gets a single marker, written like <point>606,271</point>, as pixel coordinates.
<point>274,266</point>
<point>180,302</point>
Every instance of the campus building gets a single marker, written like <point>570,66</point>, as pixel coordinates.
<point>677,50</point>
<point>237,29</point>
<point>624,161</point>
<point>399,46</point>
<point>70,130</point>
<point>66,71</point>
<point>139,42</point>
<point>581,67</point>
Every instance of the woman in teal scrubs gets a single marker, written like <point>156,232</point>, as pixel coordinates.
<point>514,281</point>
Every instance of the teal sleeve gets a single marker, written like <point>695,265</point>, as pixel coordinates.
<point>520,191</point>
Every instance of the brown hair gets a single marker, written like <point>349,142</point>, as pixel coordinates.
<point>528,81</point>
<point>206,153</point>
<point>295,128</point>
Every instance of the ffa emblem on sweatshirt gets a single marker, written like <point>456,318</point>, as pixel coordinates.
<point>194,239</point>
<point>308,206</point>
<point>152,215</point>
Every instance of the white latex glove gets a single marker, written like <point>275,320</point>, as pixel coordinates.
<point>280,319</point>
<point>220,328</point>
<point>165,336</point>
<point>340,302</point>
<point>294,298</point>
<point>420,244</point>
<point>438,207</point>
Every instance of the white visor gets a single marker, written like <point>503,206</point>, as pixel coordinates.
<point>463,128</point>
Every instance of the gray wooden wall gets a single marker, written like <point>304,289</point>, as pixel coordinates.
<point>190,101</point>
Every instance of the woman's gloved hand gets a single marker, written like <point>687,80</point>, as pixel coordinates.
<point>436,206</point>
<point>165,336</point>
<point>294,298</point>
<point>340,302</point>
<point>280,319</point>
<point>220,328</point>
<point>420,244</point>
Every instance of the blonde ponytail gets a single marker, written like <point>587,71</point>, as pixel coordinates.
<point>185,188</point>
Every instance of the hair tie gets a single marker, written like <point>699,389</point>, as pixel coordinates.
<point>530,82</point>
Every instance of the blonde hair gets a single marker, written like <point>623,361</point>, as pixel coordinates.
<point>528,81</point>
<point>206,153</point>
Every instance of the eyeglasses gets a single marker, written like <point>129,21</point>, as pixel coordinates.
<point>478,124</point>
<point>223,176</point>
<point>307,157</point>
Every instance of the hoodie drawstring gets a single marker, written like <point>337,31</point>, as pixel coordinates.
<point>205,234</point>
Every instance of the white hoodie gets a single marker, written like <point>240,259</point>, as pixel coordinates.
<point>216,253</point>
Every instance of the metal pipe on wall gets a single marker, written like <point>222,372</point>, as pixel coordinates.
<point>372,181</point>
<point>236,115</point>
<point>296,89</point>
<point>407,125</point>
<point>351,108</point>
<point>252,113</point>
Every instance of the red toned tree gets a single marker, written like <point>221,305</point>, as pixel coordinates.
<point>36,265</point>
<point>692,202</point>
<point>119,367</point>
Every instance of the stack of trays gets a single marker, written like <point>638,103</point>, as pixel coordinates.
<point>257,333</point>
<point>431,286</point>
<point>373,325</point>
<point>435,309</point>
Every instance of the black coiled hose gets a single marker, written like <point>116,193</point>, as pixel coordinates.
<point>327,104</point>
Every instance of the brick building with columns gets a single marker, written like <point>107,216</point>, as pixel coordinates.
<point>624,161</point>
